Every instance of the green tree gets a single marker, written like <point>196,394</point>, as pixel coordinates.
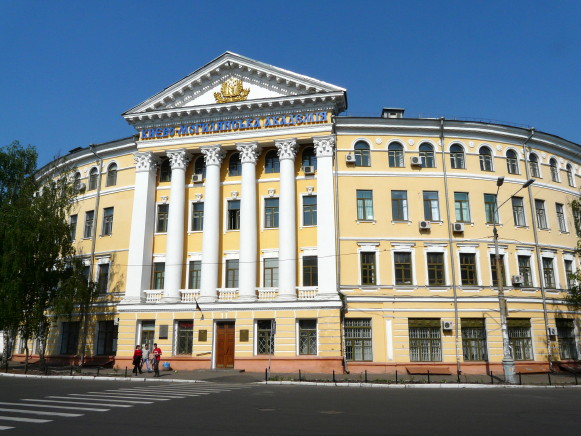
<point>573,297</point>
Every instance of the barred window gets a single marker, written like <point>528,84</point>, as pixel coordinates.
<point>184,337</point>
<point>308,336</point>
<point>566,338</point>
<point>265,336</point>
<point>425,340</point>
<point>474,339</point>
<point>358,346</point>
<point>519,335</point>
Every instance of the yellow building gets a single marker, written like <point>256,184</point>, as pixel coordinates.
<point>247,224</point>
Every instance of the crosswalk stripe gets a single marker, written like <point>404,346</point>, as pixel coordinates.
<point>76,402</point>
<point>124,395</point>
<point>34,420</point>
<point>36,412</point>
<point>3,427</point>
<point>90,409</point>
<point>103,397</point>
<point>119,393</point>
<point>166,395</point>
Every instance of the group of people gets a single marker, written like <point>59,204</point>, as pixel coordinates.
<point>151,359</point>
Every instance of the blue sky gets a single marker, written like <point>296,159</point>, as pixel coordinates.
<point>70,68</point>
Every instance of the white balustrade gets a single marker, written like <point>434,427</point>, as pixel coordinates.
<point>267,294</point>
<point>227,294</point>
<point>189,295</point>
<point>153,295</point>
<point>308,293</point>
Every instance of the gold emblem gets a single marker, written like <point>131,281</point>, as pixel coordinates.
<point>232,90</point>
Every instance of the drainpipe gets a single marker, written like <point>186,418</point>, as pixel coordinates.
<point>537,249</point>
<point>451,248</point>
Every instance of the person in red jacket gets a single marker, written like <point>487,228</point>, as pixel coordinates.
<point>156,359</point>
<point>137,354</point>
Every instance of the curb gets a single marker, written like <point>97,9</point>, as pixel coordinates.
<point>95,378</point>
<point>420,386</point>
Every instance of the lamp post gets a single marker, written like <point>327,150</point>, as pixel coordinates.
<point>507,359</point>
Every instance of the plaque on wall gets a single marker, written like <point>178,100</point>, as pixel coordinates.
<point>243,335</point>
<point>163,331</point>
<point>202,335</point>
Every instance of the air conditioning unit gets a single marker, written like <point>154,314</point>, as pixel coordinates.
<point>518,279</point>
<point>350,158</point>
<point>416,161</point>
<point>447,325</point>
<point>458,227</point>
<point>424,225</point>
<point>81,186</point>
<point>309,169</point>
<point>552,331</point>
<point>197,178</point>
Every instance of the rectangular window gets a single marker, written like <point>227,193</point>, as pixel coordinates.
<point>162,214</point>
<point>367,268</point>
<point>462,207</point>
<point>106,338</point>
<point>87,272</point>
<point>264,336</point>
<point>436,275</point>
<point>425,340</point>
<point>468,269</point>
<point>271,273</point>
<point>493,270</point>
<point>512,163</point>
<point>147,333</point>
<point>524,269</point>
<point>103,278</point>
<point>308,336</point>
<point>548,273</point>
<point>490,209</point>
<point>566,338</point>
<point>158,275</point>
<point>561,217</point>
<point>518,211</point>
<point>310,210</point>
<point>364,205</point>
<point>431,206</point>
<point>310,271</point>
<point>271,213</point>
<point>89,218</point>
<point>73,226</point>
<point>569,273</point>
<point>232,273</point>
<point>519,335</point>
<point>184,337</point>
<point>70,337</point>
<point>234,215</point>
<point>541,215</point>
<point>399,205</point>
<point>107,227</point>
<point>474,339</point>
<point>403,268</point>
<point>358,339</point>
<point>534,167</point>
<point>197,217</point>
<point>195,274</point>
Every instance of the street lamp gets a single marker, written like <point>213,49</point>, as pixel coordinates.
<point>507,360</point>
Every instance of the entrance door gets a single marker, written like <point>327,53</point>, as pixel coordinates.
<point>225,345</point>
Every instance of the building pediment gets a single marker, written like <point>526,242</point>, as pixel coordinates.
<point>235,84</point>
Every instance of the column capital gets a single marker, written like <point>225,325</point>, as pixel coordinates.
<point>213,155</point>
<point>287,148</point>
<point>324,145</point>
<point>249,152</point>
<point>145,161</point>
<point>178,159</point>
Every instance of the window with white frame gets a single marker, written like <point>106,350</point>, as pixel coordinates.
<point>431,206</point>
<point>490,209</point>
<point>195,274</point>
<point>234,165</point>
<point>147,333</point>
<point>493,270</point>
<point>554,170</point>
<point>310,271</point>
<point>534,165</point>
<point>234,215</point>
<point>364,205</point>
<point>561,217</point>
<point>270,278</point>
<point>271,162</point>
<point>307,336</point>
<point>541,214</point>
<point>570,280</point>
<point>358,344</point>
<point>89,222</point>
<point>518,211</point>
<point>232,271</point>
<point>549,273</point>
<point>93,179</point>
<point>436,269</point>
<point>519,335</point>
<point>184,336</point>
<point>103,277</point>
<point>112,174</point>
<point>158,279</point>
<point>368,270</point>
<point>162,216</point>
<point>457,156</point>
<point>309,210</point>
<point>271,213</point>
<point>395,155</point>
<point>107,226</point>
<point>402,263</point>
<point>462,207</point>
<point>485,157</point>
<point>73,226</point>
<point>570,178</point>
<point>524,269</point>
<point>362,154</point>
<point>197,216</point>
<point>399,205</point>
<point>427,155</point>
<point>265,336</point>
<point>512,162</point>
<point>468,270</point>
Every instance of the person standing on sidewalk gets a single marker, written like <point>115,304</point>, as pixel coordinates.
<point>137,360</point>
<point>145,358</point>
<point>157,358</point>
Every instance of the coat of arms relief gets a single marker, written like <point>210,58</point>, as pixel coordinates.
<point>231,91</point>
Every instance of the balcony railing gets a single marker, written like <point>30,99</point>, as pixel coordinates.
<point>227,294</point>
<point>268,294</point>
<point>231,294</point>
<point>308,293</point>
<point>153,295</point>
<point>189,295</point>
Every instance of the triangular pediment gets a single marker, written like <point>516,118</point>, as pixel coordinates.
<point>232,81</point>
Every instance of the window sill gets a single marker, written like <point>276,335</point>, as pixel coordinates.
<point>401,222</point>
<point>366,221</point>
<point>193,231</point>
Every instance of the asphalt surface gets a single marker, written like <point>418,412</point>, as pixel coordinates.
<point>208,408</point>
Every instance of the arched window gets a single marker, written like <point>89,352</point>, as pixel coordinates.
<point>395,155</point>
<point>234,165</point>
<point>427,155</point>
<point>512,162</point>
<point>362,154</point>
<point>554,170</point>
<point>165,170</point>
<point>485,156</point>
<point>93,177</point>
<point>112,175</point>
<point>77,181</point>
<point>457,156</point>
<point>309,157</point>
<point>200,166</point>
<point>271,162</point>
<point>534,165</point>
<point>570,175</point>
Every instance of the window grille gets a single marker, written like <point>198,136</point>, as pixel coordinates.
<point>358,346</point>
<point>425,340</point>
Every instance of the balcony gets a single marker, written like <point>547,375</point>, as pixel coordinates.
<point>231,294</point>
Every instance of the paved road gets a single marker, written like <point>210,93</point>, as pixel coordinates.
<point>132,408</point>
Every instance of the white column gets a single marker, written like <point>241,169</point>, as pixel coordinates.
<point>248,223</point>
<point>287,229</point>
<point>142,226</point>
<point>326,222</point>
<point>211,236</point>
<point>174,250</point>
